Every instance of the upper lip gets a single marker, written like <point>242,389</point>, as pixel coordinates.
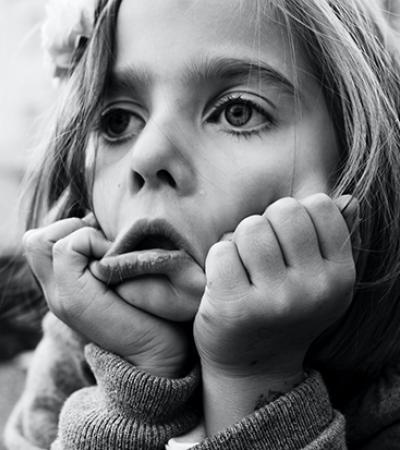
<point>146,228</point>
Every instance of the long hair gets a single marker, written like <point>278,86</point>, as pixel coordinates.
<point>358,68</point>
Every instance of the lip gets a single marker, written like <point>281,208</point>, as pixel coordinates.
<point>123,261</point>
<point>146,227</point>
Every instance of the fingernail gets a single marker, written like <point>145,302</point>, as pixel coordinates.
<point>90,220</point>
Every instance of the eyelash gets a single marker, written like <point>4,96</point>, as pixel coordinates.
<point>100,125</point>
<point>218,109</point>
<point>229,100</point>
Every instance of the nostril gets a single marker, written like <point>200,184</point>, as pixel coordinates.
<point>166,177</point>
<point>138,179</point>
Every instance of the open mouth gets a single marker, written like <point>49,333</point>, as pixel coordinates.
<point>147,248</point>
<point>154,241</point>
<point>149,235</point>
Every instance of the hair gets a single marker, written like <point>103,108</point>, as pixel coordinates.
<point>349,45</point>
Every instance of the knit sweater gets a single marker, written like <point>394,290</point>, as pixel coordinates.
<point>81,397</point>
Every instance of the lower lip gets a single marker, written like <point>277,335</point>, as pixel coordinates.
<point>119,268</point>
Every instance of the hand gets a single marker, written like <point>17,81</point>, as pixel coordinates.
<point>60,255</point>
<point>284,278</point>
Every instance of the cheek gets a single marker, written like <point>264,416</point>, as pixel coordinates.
<point>106,201</point>
<point>317,161</point>
<point>250,190</point>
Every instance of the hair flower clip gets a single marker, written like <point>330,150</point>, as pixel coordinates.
<point>67,28</point>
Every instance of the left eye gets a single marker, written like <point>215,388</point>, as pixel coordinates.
<point>118,124</point>
<point>240,114</point>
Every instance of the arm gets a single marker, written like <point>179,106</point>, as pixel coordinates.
<point>139,398</point>
<point>299,419</point>
<point>58,368</point>
<point>282,280</point>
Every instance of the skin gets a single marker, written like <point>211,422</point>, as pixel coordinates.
<point>219,178</point>
<point>267,272</point>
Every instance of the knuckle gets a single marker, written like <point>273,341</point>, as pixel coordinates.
<point>284,209</point>
<point>320,198</point>
<point>32,241</point>
<point>60,248</point>
<point>320,202</point>
<point>220,250</point>
<point>250,226</point>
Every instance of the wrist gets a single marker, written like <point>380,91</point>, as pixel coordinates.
<point>228,398</point>
<point>166,368</point>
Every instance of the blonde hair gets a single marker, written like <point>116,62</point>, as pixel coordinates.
<point>350,48</point>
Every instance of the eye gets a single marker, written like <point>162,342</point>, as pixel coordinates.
<point>240,115</point>
<point>118,124</point>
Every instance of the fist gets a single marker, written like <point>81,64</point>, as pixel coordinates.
<point>60,256</point>
<point>285,277</point>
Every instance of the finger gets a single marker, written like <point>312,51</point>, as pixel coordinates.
<point>92,309</point>
<point>159,297</point>
<point>295,231</point>
<point>74,252</point>
<point>350,209</point>
<point>224,269</point>
<point>38,244</point>
<point>91,220</point>
<point>330,225</point>
<point>259,250</point>
<point>227,237</point>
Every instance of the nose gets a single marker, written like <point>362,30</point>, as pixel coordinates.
<point>160,157</point>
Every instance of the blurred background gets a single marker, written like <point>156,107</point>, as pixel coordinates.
<point>26,92</point>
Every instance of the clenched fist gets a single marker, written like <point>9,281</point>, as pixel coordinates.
<point>283,278</point>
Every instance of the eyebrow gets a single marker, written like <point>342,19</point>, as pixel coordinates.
<point>216,68</point>
<point>232,69</point>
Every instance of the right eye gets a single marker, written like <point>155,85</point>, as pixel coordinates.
<point>119,124</point>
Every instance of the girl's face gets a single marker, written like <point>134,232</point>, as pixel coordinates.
<point>208,119</point>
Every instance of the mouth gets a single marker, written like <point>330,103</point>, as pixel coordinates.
<point>146,235</point>
<point>148,247</point>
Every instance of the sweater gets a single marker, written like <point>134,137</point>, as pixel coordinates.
<point>81,397</point>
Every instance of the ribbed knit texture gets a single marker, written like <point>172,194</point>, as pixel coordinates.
<point>292,422</point>
<point>128,408</point>
<point>108,404</point>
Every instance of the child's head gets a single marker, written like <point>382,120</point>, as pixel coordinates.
<point>205,112</point>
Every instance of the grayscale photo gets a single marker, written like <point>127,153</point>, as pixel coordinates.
<point>200,225</point>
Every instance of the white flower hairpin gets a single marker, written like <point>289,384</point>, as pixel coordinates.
<point>68,26</point>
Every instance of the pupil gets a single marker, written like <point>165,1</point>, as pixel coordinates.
<point>238,115</point>
<point>118,122</point>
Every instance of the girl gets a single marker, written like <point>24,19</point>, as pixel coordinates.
<point>208,165</point>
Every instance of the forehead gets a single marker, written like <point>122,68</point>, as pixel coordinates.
<point>171,34</point>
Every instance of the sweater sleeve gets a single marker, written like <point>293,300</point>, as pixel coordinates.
<point>301,419</point>
<point>127,408</point>
<point>58,368</point>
